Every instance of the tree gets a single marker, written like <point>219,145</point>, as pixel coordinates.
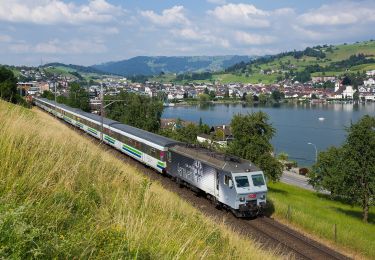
<point>346,81</point>
<point>78,97</point>
<point>8,86</point>
<point>361,150</point>
<point>349,171</point>
<point>136,110</point>
<point>249,98</point>
<point>219,135</point>
<point>204,98</point>
<point>252,135</point>
<point>263,99</point>
<point>283,156</point>
<point>277,95</point>
<point>212,94</point>
<point>48,94</point>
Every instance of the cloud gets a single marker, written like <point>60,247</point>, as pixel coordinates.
<point>217,2</point>
<point>172,16</point>
<point>57,46</point>
<point>345,13</point>
<point>253,39</point>
<point>57,12</point>
<point>241,14</point>
<point>5,38</point>
<point>19,48</point>
<point>200,37</point>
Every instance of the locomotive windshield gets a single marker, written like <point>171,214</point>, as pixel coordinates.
<point>258,179</point>
<point>242,181</point>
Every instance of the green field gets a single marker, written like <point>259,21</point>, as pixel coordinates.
<point>64,197</point>
<point>317,214</point>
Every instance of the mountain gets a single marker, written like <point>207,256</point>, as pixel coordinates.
<point>73,68</point>
<point>145,65</point>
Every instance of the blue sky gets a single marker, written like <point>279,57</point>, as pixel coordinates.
<point>94,31</point>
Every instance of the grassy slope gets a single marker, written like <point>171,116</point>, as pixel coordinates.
<point>63,196</point>
<point>317,214</point>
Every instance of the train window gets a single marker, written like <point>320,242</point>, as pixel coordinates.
<point>153,152</point>
<point>227,179</point>
<point>123,139</point>
<point>138,145</point>
<point>169,157</point>
<point>162,154</point>
<point>144,148</point>
<point>242,181</point>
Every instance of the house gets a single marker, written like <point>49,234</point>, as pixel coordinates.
<point>370,82</point>
<point>173,123</point>
<point>344,92</point>
<point>209,139</point>
<point>24,87</point>
<point>348,93</point>
<point>219,135</point>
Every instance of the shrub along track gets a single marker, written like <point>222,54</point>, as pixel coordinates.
<point>270,233</point>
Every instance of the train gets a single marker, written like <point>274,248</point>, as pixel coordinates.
<point>229,182</point>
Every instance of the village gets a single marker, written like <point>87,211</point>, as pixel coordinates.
<point>173,93</point>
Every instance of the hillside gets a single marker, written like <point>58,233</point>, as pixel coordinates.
<point>62,196</point>
<point>315,61</point>
<point>73,68</point>
<point>144,65</point>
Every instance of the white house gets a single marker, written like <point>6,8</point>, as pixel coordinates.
<point>348,92</point>
<point>369,82</point>
<point>342,92</point>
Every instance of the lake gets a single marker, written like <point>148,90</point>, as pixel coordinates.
<point>296,124</point>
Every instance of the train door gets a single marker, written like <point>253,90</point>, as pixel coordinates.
<point>217,184</point>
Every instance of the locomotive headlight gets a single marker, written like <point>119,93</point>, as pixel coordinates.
<point>242,199</point>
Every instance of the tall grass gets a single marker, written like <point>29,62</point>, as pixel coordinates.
<point>317,214</point>
<point>61,196</point>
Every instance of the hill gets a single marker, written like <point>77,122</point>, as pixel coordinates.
<point>326,60</point>
<point>62,196</point>
<point>144,65</point>
<point>73,68</point>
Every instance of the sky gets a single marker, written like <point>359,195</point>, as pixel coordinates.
<point>88,32</point>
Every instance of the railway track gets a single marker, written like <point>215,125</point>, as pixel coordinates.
<point>301,246</point>
<point>268,232</point>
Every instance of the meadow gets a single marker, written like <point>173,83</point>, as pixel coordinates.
<point>62,196</point>
<point>317,214</point>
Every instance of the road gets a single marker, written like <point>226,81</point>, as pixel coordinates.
<point>292,178</point>
<point>300,181</point>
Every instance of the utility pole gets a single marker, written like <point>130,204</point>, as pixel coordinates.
<point>101,112</point>
<point>54,83</point>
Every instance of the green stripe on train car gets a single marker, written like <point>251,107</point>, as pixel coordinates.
<point>132,149</point>
<point>161,164</point>
<point>109,138</point>
<point>92,130</point>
